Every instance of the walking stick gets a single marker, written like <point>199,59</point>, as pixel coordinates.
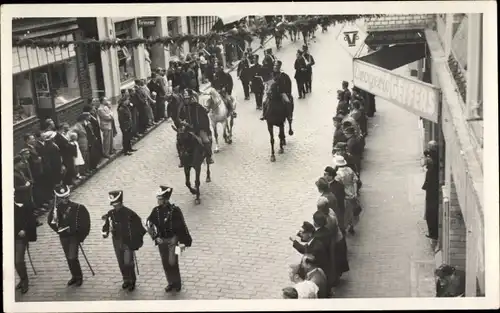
<point>29,257</point>
<point>136,264</point>
<point>83,252</point>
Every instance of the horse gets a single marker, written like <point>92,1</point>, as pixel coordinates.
<point>276,114</point>
<point>174,105</point>
<point>192,154</point>
<point>217,112</point>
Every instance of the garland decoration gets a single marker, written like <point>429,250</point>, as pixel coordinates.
<point>260,30</point>
<point>459,76</point>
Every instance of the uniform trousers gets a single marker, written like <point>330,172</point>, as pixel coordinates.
<point>19,252</point>
<point>301,87</point>
<point>127,139</point>
<point>125,258</point>
<point>170,261</point>
<point>258,99</point>
<point>246,88</point>
<point>70,247</point>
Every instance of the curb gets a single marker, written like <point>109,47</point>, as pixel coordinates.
<point>113,157</point>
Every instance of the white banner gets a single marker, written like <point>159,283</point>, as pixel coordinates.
<point>413,95</point>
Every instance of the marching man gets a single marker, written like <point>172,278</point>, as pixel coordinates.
<point>168,229</point>
<point>127,233</point>
<point>71,221</point>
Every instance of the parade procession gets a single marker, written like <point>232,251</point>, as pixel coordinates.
<point>253,165</point>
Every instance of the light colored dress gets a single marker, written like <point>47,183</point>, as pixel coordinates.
<point>79,158</point>
<point>148,63</point>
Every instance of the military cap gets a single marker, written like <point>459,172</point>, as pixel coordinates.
<point>62,191</point>
<point>164,192</point>
<point>115,196</point>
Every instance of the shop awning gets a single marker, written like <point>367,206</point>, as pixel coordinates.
<point>373,73</point>
<point>396,56</point>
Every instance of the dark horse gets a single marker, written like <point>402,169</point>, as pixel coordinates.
<point>278,111</point>
<point>192,155</point>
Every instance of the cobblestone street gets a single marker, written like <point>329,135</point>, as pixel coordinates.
<point>241,229</point>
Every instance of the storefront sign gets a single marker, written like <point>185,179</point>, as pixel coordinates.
<point>351,37</point>
<point>146,22</point>
<point>412,95</point>
<point>379,38</point>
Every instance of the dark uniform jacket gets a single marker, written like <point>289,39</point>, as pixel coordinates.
<point>74,215</point>
<point>244,71</point>
<point>22,193</point>
<point>35,162</point>
<point>24,220</point>
<point>300,68</point>
<point>125,225</point>
<point>223,80</point>
<point>256,80</point>
<point>168,221</point>
<point>54,161</point>
<point>196,116</point>
<point>124,116</point>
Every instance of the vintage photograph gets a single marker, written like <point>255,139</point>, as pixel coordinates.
<point>188,157</point>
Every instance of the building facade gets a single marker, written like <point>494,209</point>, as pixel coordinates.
<point>47,83</point>
<point>121,66</point>
<point>445,53</point>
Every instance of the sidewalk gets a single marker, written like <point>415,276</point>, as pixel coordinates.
<point>390,255</point>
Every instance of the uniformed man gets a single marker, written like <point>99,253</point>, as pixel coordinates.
<point>256,81</point>
<point>168,230</point>
<point>301,73</point>
<point>222,80</point>
<point>309,63</point>
<point>244,75</point>
<point>197,117</point>
<point>24,233</point>
<point>284,88</point>
<point>268,64</point>
<point>127,234</point>
<point>71,221</point>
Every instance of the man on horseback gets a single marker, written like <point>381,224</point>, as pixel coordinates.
<point>197,119</point>
<point>283,89</point>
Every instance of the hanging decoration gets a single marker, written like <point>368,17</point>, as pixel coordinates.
<point>262,31</point>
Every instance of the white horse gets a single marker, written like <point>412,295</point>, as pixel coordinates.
<point>218,114</point>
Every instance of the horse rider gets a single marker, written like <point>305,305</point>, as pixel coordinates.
<point>309,63</point>
<point>196,116</point>
<point>167,228</point>
<point>222,80</point>
<point>24,233</point>
<point>71,221</point>
<point>175,102</point>
<point>127,233</point>
<point>267,65</point>
<point>283,87</point>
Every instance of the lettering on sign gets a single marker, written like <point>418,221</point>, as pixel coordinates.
<point>351,38</point>
<point>414,96</point>
<point>146,22</point>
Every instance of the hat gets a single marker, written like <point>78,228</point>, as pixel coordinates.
<point>299,51</point>
<point>308,227</point>
<point>24,150</point>
<point>339,160</point>
<point>48,135</point>
<point>349,130</point>
<point>164,192</point>
<point>340,146</point>
<point>61,191</point>
<point>115,196</point>
<point>305,47</point>
<point>322,183</point>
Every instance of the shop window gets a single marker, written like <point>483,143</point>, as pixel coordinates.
<point>126,60</point>
<point>24,104</point>
<point>174,30</point>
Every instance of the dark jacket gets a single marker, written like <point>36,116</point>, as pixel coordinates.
<point>54,161</point>
<point>196,116</point>
<point>24,219</point>
<point>338,136</point>
<point>318,247</point>
<point>300,68</point>
<point>74,215</point>
<point>243,71</point>
<point>124,116</point>
<point>35,162</point>
<point>223,80</point>
<point>22,193</point>
<point>155,87</point>
<point>257,81</point>
<point>126,225</point>
<point>169,221</point>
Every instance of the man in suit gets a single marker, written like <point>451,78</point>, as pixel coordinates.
<point>35,164</point>
<point>256,81</point>
<point>310,63</point>
<point>243,74</point>
<point>125,121</point>
<point>54,160</point>
<point>107,121</point>
<point>301,73</point>
<point>156,86</point>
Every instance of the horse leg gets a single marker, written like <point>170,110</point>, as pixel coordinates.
<point>230,130</point>
<point>197,184</point>
<point>209,179</point>
<point>271,134</point>
<point>282,138</point>
<point>224,132</point>
<point>187,173</point>
<point>216,135</point>
<point>290,130</point>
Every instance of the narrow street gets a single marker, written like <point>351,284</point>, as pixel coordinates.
<point>241,229</point>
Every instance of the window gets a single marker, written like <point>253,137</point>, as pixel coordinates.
<point>24,105</point>
<point>126,60</point>
<point>173,30</point>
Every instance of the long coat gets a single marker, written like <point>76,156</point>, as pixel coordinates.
<point>22,193</point>
<point>74,215</point>
<point>124,117</point>
<point>301,71</point>
<point>24,219</point>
